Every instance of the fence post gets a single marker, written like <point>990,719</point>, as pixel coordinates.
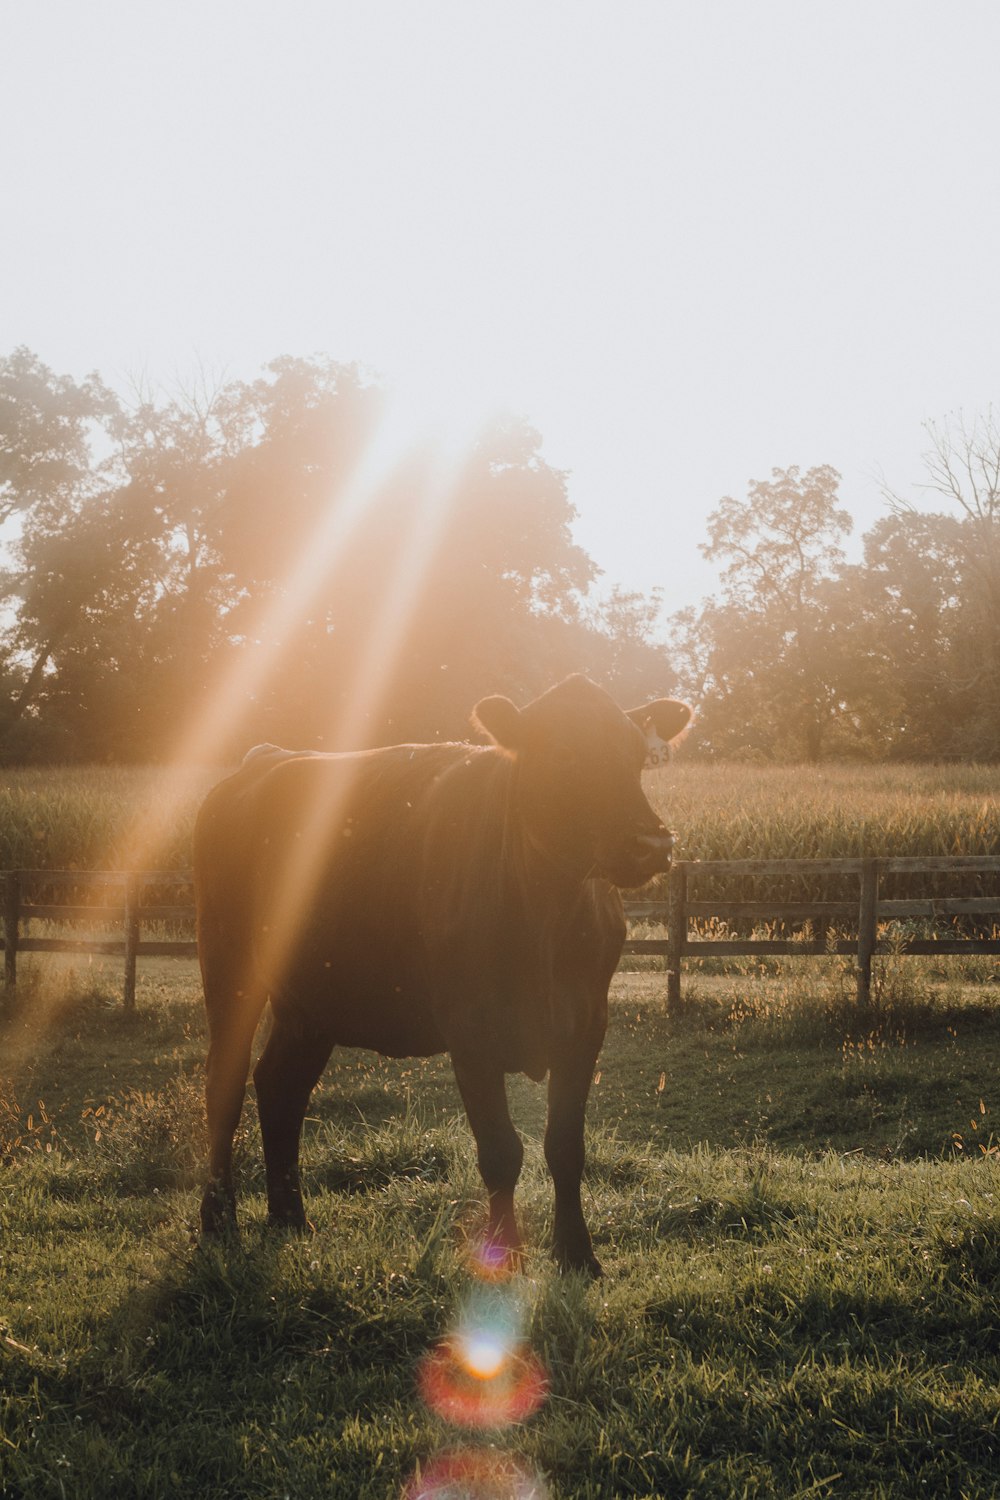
<point>11,922</point>
<point>131,938</point>
<point>676,930</point>
<point>867,928</point>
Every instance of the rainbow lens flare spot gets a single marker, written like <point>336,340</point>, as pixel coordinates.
<point>475,1380</point>
<point>490,1261</point>
<point>476,1475</point>
<point>482,1354</point>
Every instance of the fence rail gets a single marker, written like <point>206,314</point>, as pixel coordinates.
<point>863,915</point>
<point>866,913</point>
<point>129,909</point>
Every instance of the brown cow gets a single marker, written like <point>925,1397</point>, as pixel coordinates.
<point>423,899</point>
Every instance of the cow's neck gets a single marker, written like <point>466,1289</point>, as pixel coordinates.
<point>556,874</point>
<point>560,876</point>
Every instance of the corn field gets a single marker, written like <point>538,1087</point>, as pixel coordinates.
<point>121,817</point>
<point>99,818</point>
<point>733,811</point>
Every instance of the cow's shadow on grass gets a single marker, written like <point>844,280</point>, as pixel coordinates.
<point>271,1362</point>
<point>256,1363</point>
<point>275,1362</point>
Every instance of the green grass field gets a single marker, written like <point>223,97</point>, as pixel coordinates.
<point>795,1204</point>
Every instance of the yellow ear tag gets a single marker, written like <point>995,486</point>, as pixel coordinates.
<point>657,750</point>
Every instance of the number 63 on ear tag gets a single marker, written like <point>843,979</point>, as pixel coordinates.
<point>657,750</point>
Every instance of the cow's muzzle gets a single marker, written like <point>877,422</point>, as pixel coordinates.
<point>657,847</point>
<point>646,855</point>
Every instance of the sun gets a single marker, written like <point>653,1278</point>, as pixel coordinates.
<point>431,425</point>
<point>443,413</point>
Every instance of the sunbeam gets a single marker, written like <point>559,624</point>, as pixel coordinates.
<point>372,672</point>
<point>413,429</point>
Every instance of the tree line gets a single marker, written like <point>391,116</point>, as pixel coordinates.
<point>252,560</point>
<point>189,573</point>
<point>803,655</point>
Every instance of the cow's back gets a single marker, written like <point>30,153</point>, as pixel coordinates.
<point>320,869</point>
<point>387,895</point>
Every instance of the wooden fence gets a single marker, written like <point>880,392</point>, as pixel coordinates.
<point>130,906</point>
<point>864,914</point>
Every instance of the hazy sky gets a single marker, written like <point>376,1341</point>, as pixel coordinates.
<point>691,241</point>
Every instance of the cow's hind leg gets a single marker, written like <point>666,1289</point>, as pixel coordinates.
<point>569,1085</point>
<point>288,1071</point>
<point>484,1094</point>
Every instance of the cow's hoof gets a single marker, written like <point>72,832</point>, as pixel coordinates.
<point>580,1265</point>
<point>290,1223</point>
<point>218,1213</point>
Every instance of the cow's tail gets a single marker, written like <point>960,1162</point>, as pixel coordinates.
<point>234,1001</point>
<point>234,1005</point>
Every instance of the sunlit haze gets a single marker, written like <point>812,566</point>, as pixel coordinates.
<point>689,242</point>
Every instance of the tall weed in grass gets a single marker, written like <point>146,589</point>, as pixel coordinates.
<point>776,996</point>
<point>145,1140</point>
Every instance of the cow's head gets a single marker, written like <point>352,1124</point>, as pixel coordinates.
<point>579,764</point>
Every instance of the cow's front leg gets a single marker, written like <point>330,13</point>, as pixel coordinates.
<point>285,1076</point>
<point>500,1153</point>
<point>569,1085</point>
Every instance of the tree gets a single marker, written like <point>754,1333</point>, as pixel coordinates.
<point>242,545</point>
<point>962,465</point>
<point>50,427</point>
<point>763,651</point>
<point>46,427</point>
<point>624,651</point>
<point>905,673</point>
<point>416,590</point>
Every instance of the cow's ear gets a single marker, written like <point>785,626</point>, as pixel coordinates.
<point>501,719</point>
<point>666,717</point>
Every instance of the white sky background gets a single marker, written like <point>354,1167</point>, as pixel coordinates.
<point>690,241</point>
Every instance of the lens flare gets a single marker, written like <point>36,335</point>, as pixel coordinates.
<point>483,1375</point>
<point>476,1475</point>
<point>482,1353</point>
<point>490,1261</point>
<point>508,1389</point>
